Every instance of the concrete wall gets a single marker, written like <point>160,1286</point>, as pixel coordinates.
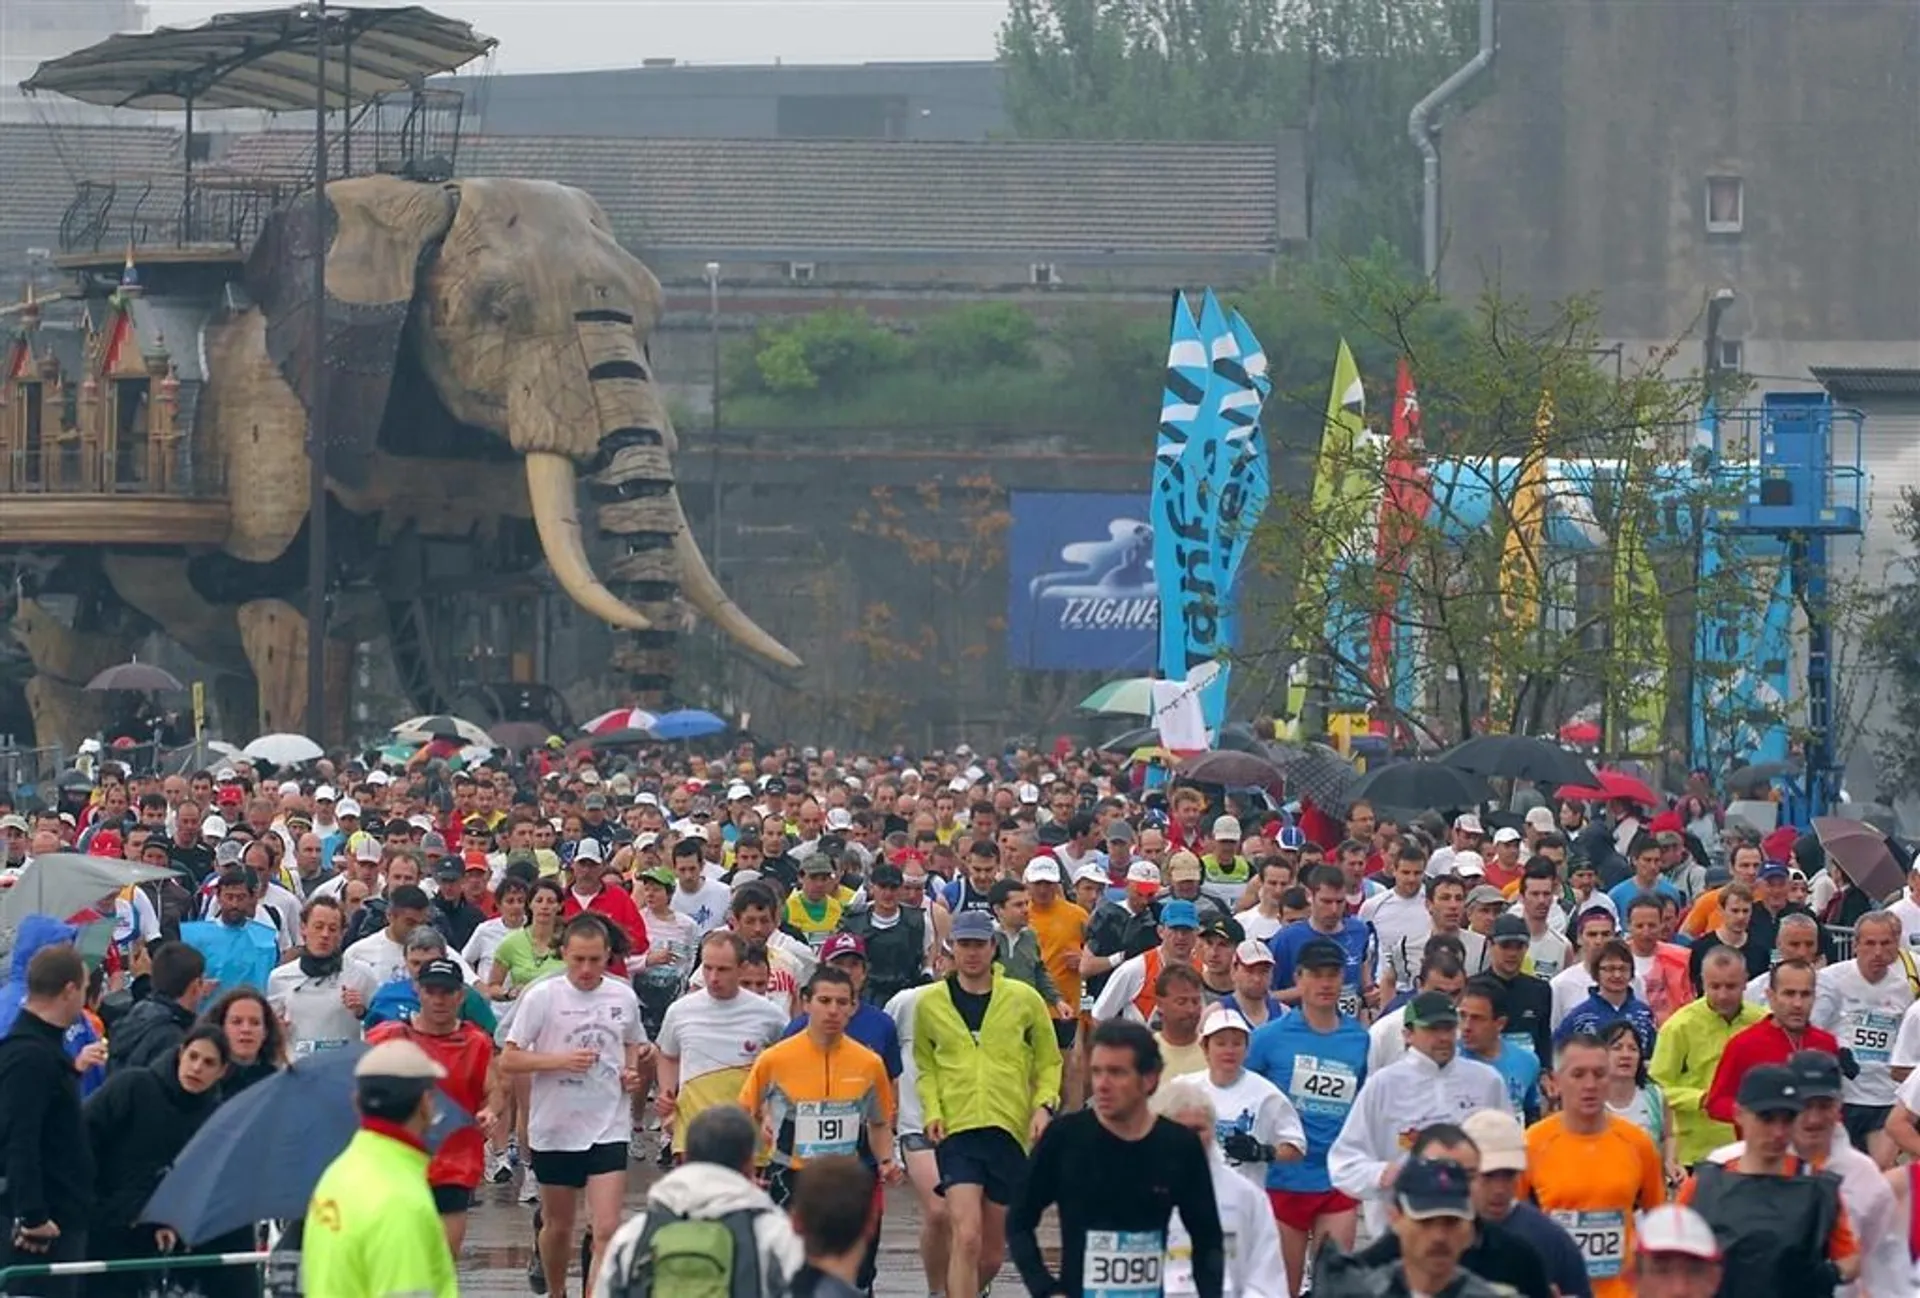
<point>1582,165</point>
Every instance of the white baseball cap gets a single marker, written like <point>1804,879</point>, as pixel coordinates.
<point>589,850</point>
<point>1469,865</point>
<point>1502,1144</point>
<point>839,818</point>
<point>1227,829</point>
<point>325,793</point>
<point>1468,822</point>
<point>379,778</point>
<point>1675,1228</point>
<point>289,787</point>
<point>1027,793</point>
<point>1540,818</point>
<point>1091,872</point>
<point>1042,869</point>
<point>1224,1018</point>
<point>1506,834</point>
<point>213,827</point>
<point>644,798</point>
<point>1253,952</point>
<point>736,792</point>
<point>1143,872</point>
<point>347,807</point>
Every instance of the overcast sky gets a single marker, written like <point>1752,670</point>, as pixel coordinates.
<point>557,35</point>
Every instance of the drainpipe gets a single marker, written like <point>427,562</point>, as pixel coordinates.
<point>1420,127</point>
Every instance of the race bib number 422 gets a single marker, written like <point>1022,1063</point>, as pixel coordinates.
<point>1122,1264</point>
<point>1322,1085</point>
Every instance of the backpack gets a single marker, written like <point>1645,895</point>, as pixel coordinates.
<point>685,1257</point>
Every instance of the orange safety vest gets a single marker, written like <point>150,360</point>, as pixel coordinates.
<point>1147,1000</point>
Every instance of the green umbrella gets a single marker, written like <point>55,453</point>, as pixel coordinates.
<point>1125,698</point>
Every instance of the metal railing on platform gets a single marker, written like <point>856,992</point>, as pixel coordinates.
<point>165,1266</point>
<point>176,467</point>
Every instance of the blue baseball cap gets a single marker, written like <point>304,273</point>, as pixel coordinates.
<point>1773,870</point>
<point>975,926</point>
<point>1293,838</point>
<point>1174,914</point>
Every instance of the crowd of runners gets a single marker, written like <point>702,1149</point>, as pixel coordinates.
<point>1585,1053</point>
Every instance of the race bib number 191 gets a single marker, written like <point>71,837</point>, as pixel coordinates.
<point>1122,1264</point>
<point>823,1127</point>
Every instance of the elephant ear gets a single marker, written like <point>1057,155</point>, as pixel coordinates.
<point>379,233</point>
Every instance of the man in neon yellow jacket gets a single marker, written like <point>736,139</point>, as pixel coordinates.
<point>988,1076</point>
<point>1689,1046</point>
<point>372,1230</point>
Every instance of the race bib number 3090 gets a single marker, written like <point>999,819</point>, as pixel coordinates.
<point>1122,1264</point>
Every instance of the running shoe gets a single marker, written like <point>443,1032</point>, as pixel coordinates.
<point>637,1147</point>
<point>499,1167</point>
<point>529,1188</point>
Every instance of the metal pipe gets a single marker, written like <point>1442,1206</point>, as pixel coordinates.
<point>317,567</point>
<point>1420,127</point>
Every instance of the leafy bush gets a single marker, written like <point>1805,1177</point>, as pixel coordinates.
<point>831,353</point>
<point>981,336</point>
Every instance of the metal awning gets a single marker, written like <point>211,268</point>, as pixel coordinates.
<point>1855,383</point>
<point>264,60</point>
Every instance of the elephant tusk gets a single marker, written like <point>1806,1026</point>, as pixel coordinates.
<point>702,590</point>
<point>553,490</point>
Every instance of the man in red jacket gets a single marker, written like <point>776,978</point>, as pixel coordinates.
<point>1773,1039</point>
<point>615,905</point>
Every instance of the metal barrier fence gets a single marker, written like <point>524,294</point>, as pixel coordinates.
<point>144,1266</point>
<point>30,773</point>
<point>1842,939</point>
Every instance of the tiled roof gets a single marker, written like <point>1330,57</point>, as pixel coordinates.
<point>40,165</point>
<point>1049,199</point>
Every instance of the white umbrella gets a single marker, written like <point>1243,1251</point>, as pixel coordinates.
<point>284,750</point>
<point>418,730</point>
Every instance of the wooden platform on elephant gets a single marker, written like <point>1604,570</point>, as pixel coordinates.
<point>74,519</point>
<point>110,260</point>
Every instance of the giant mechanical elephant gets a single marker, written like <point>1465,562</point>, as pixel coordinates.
<point>486,351</point>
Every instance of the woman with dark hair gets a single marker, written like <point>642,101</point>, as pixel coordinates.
<point>256,1040</point>
<point>137,1124</point>
<point>1632,1096</point>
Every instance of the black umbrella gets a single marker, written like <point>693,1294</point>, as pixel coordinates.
<point>1421,786</point>
<point>1319,773</point>
<point>1230,770</point>
<point>1519,758</point>
<point>142,678</point>
<point>1754,779</point>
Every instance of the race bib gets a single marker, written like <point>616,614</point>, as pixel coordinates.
<point>301,1049</point>
<point>824,1127</point>
<point>1350,1004</point>
<point>1870,1034</point>
<point>1319,1085</point>
<point>1601,1238</point>
<point>1123,1264</point>
<point>1179,1272</point>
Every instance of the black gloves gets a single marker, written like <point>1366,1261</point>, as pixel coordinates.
<point>1849,1066</point>
<point>1241,1147</point>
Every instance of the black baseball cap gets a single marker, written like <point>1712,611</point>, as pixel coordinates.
<point>442,974</point>
<point>1817,1074</point>
<point>1320,953</point>
<point>1227,927</point>
<point>1511,928</point>
<point>1426,1188</point>
<point>1432,1010</point>
<point>1771,1088</point>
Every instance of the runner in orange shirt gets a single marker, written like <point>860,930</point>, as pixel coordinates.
<point>1591,1171</point>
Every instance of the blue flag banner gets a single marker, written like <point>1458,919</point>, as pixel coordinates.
<point>1179,511</point>
<point>1241,378</point>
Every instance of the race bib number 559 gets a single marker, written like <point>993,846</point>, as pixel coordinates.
<point>1122,1264</point>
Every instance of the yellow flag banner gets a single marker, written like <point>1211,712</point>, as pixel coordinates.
<point>1521,555</point>
<point>1342,494</point>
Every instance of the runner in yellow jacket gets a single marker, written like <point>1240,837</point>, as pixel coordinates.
<point>372,1230</point>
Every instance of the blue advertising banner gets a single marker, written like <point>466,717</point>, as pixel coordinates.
<point>1080,592</point>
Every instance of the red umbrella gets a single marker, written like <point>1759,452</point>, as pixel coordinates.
<point>1582,734</point>
<point>1614,784</point>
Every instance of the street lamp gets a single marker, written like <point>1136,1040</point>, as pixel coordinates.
<point>317,566</point>
<point>713,450</point>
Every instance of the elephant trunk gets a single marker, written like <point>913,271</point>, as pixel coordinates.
<point>637,507</point>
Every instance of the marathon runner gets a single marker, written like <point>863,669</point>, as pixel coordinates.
<point>1255,1123</point>
<point>1117,1173</point>
<point>1317,1057</point>
<point>471,1080</point>
<point>1863,1002</point>
<point>1590,1170</point>
<point>988,1081</point>
<point>710,1037</point>
<point>1328,920</point>
<point>915,1149</point>
<point>579,1035</point>
<point>1255,1268</point>
<point>1132,990</point>
<point>820,1093</point>
<point>318,997</point>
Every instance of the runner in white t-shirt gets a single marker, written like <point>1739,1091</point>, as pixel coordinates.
<point>580,1038</point>
<point>1906,908</point>
<point>1254,1120</point>
<point>1864,1003</point>
<point>916,1151</point>
<point>1401,915</point>
<point>710,1038</point>
<point>318,996</point>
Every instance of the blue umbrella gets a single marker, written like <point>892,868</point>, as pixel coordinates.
<point>687,723</point>
<point>262,1152</point>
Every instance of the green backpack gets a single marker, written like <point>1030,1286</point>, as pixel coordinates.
<point>685,1257</point>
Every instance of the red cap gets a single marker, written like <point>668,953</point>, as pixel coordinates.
<point>1667,822</point>
<point>105,842</point>
<point>230,795</point>
<point>1778,846</point>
